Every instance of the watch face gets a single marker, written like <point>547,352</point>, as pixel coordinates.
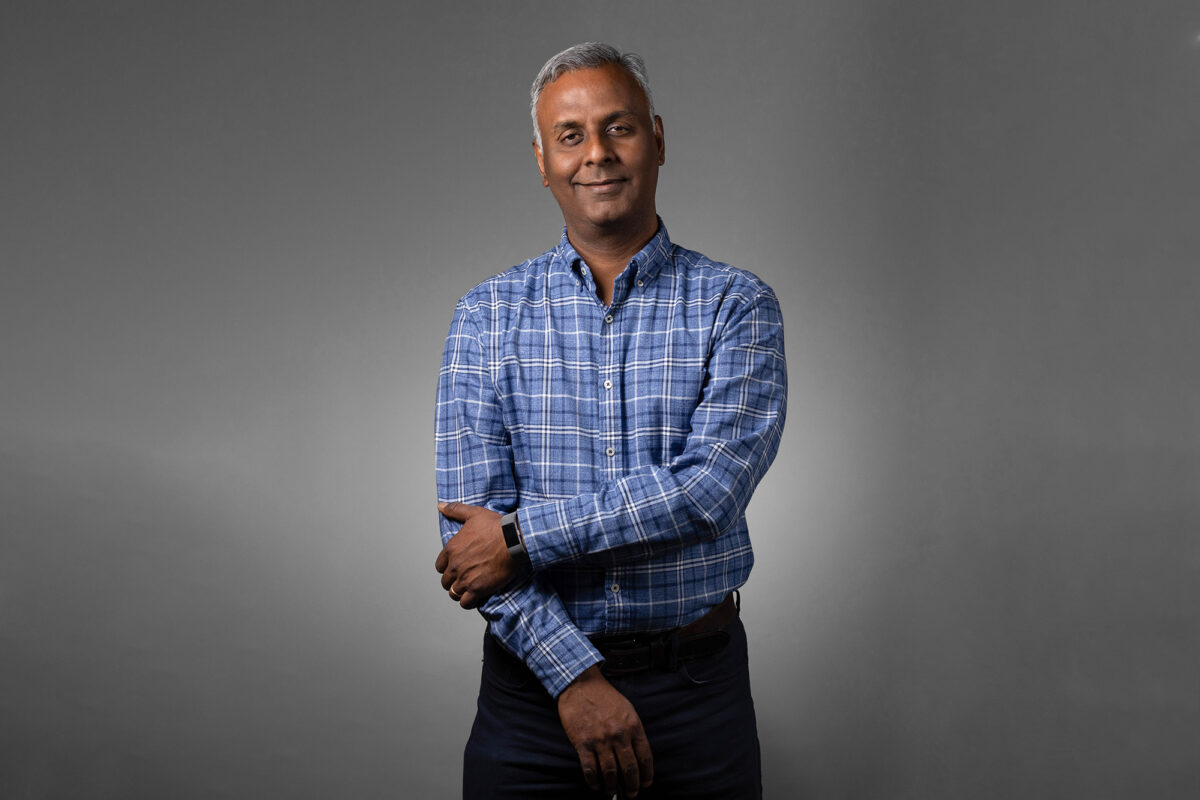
<point>509,525</point>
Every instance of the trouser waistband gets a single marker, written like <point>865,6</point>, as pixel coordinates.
<point>624,655</point>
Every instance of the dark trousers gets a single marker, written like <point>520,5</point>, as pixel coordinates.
<point>699,721</point>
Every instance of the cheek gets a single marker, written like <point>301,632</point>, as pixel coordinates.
<point>559,166</point>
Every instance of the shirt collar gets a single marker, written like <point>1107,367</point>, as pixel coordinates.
<point>646,263</point>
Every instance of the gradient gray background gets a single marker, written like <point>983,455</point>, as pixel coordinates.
<point>232,239</point>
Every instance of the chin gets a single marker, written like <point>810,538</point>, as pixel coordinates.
<point>607,217</point>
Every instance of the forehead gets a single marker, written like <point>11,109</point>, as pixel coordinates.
<point>588,92</point>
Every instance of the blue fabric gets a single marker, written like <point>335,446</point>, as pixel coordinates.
<point>629,438</point>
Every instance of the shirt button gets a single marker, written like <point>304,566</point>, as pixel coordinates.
<point>610,452</point>
<point>641,283</point>
<point>616,587</point>
<point>609,318</point>
<point>608,384</point>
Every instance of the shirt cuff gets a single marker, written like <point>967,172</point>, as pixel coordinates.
<point>544,529</point>
<point>561,658</point>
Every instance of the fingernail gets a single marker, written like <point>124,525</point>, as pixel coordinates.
<point>441,506</point>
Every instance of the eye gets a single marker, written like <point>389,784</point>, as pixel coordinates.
<point>618,129</point>
<point>571,137</point>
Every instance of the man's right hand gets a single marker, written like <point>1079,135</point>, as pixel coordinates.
<point>607,734</point>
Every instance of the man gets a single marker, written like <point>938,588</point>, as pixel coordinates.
<point>604,413</point>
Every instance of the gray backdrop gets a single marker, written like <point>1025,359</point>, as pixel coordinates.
<point>232,238</point>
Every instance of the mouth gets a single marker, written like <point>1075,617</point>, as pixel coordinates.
<point>603,186</point>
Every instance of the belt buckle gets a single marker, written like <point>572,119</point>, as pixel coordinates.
<point>621,656</point>
<point>624,646</point>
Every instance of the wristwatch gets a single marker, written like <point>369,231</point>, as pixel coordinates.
<point>512,538</point>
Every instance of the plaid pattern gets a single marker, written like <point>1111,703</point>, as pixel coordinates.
<point>629,438</point>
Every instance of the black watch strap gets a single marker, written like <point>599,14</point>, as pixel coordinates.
<point>512,538</point>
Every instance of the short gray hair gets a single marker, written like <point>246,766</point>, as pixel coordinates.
<point>588,55</point>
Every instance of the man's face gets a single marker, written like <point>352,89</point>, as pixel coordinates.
<point>600,150</point>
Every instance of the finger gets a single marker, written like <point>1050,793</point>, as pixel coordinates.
<point>645,759</point>
<point>472,600</point>
<point>459,512</point>
<point>630,776</point>
<point>443,560</point>
<point>609,770</point>
<point>591,774</point>
<point>448,578</point>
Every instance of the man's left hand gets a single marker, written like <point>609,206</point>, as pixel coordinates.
<point>475,563</point>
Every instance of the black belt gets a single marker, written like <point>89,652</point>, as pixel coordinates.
<point>624,655</point>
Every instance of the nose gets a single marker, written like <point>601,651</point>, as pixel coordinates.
<point>599,150</point>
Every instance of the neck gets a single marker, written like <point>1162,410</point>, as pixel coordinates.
<point>607,252</point>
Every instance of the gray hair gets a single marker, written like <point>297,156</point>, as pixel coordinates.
<point>588,55</point>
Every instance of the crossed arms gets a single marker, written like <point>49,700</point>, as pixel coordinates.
<point>696,497</point>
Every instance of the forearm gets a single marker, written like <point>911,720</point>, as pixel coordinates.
<point>639,516</point>
<point>703,491</point>
<point>530,621</point>
<point>527,616</point>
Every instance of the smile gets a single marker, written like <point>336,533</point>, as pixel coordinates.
<point>603,187</point>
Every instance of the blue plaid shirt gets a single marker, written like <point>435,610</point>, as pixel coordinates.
<point>629,439</point>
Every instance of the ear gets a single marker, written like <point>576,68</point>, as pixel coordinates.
<point>537,153</point>
<point>658,137</point>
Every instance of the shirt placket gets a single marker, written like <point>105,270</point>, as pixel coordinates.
<point>612,438</point>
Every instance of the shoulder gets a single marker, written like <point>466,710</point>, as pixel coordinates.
<point>506,290</point>
<point>735,286</point>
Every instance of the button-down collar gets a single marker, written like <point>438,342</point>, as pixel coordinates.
<point>641,270</point>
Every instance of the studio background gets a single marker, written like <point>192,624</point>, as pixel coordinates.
<point>232,236</point>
